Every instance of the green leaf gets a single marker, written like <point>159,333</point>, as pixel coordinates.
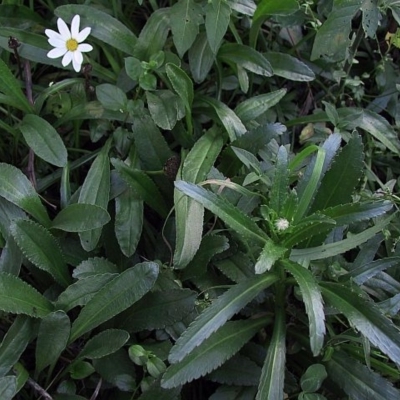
<point>189,213</point>
<point>370,17</point>
<point>237,268</point>
<point>358,381</point>
<point>213,352</point>
<point>231,122</point>
<point>15,342</point>
<point>16,188</point>
<point>155,311</point>
<point>245,57</point>
<point>96,190</point>
<point>269,255</point>
<point>80,217</point>
<point>250,109</point>
<point>280,185</point>
<point>340,181</point>
<point>111,97</point>
<point>41,248</point>
<point>104,344</point>
<point>54,330</point>
<point>104,27</point>
<point>335,31</point>
<point>313,302</point>
<point>273,371</point>
<point>186,16</point>
<point>181,83</point>
<point>151,145</point>
<point>232,301</point>
<point>115,297</point>
<point>94,266</point>
<point>366,271</point>
<point>80,292</point>
<point>276,7</point>
<point>17,297</point>
<point>10,86</point>
<point>340,247</point>
<point>201,58</point>
<point>230,214</point>
<point>289,67</point>
<point>165,108</point>
<point>142,186</point>
<point>8,387</point>
<point>312,379</point>
<point>81,370</point>
<point>217,20</point>
<point>364,316</point>
<point>44,140</point>
<point>128,221</point>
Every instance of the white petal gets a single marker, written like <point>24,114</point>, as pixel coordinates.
<point>57,42</point>
<point>52,34</point>
<point>55,53</point>
<point>67,58</point>
<point>63,29</point>
<point>77,60</point>
<point>75,26</point>
<point>84,48</point>
<point>83,34</point>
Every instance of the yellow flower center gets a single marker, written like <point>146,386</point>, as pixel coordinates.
<point>72,44</point>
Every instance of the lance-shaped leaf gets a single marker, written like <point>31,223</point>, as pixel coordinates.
<point>143,186</point>
<point>185,21</point>
<point>364,316</point>
<point>10,86</point>
<point>312,298</point>
<point>273,371</point>
<point>44,140</point>
<point>280,185</point>
<point>230,214</point>
<point>213,352</point>
<point>358,381</point>
<point>8,387</point>
<point>188,212</point>
<point>54,330</point>
<point>17,297</point>
<point>80,217</point>
<point>181,83</point>
<point>201,58</point>
<point>15,342</point>
<point>103,344</point>
<point>115,297</point>
<point>96,190</point>
<point>232,301</point>
<point>217,20</point>
<point>41,248</point>
<point>16,188</point>
<point>269,255</point>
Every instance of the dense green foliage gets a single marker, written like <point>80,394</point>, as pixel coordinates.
<point>207,210</point>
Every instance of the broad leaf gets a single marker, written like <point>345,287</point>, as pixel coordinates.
<point>276,7</point>
<point>358,381</point>
<point>365,317</point>
<point>155,311</point>
<point>54,330</point>
<point>232,301</point>
<point>201,58</point>
<point>313,302</point>
<point>217,20</point>
<point>213,352</point>
<point>230,214</point>
<point>8,387</point>
<point>185,21</point>
<point>94,266</point>
<point>111,97</point>
<point>44,140</point>
<point>80,217</point>
<point>17,297</point>
<point>103,344</point>
<point>16,188</point>
<point>15,342</point>
<point>41,248</point>
<point>115,297</point>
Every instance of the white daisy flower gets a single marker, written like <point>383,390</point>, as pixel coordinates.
<point>281,224</point>
<point>68,43</point>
